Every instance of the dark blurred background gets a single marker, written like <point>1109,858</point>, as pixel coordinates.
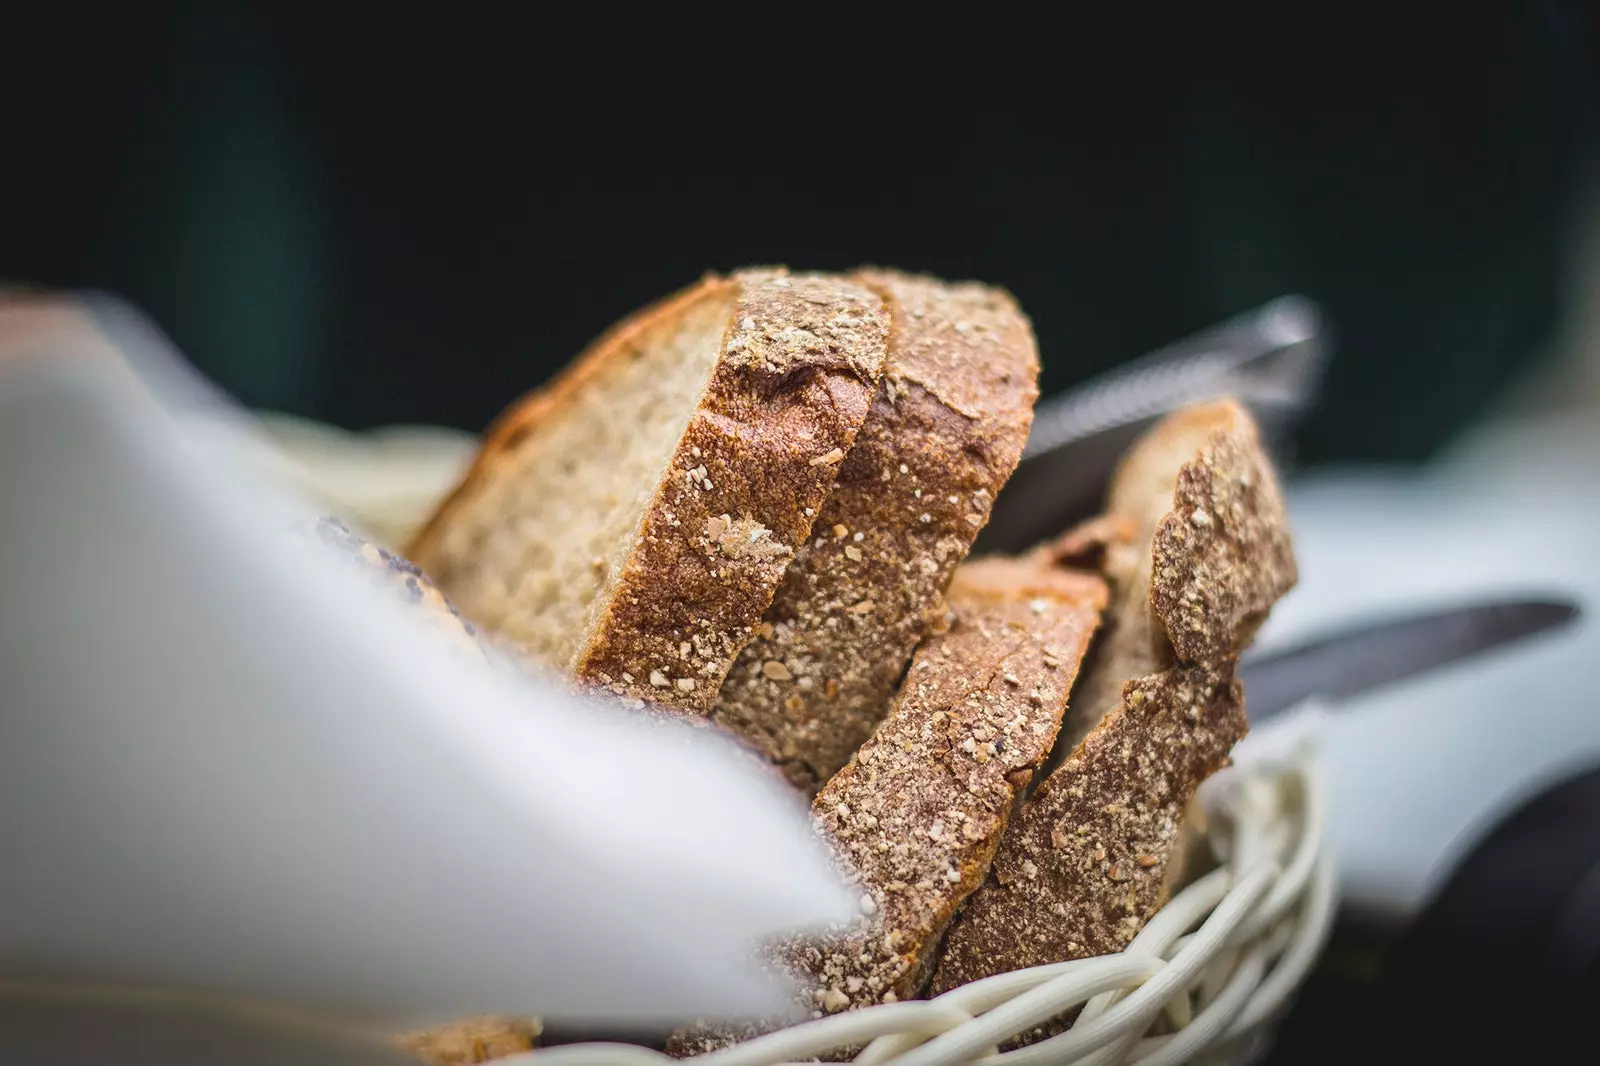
<point>373,220</point>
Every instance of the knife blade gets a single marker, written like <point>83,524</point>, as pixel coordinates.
<point>1367,657</point>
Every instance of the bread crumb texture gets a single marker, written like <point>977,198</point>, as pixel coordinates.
<point>627,525</point>
<point>945,431</point>
<point>914,818</point>
<point>1222,557</point>
<point>803,357</point>
<point>1083,867</point>
<point>1084,864</point>
<point>470,1040</point>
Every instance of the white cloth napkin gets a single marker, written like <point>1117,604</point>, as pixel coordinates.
<point>225,766</point>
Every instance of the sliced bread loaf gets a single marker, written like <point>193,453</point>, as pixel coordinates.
<point>628,525</point>
<point>946,430</point>
<point>916,815</point>
<point>1085,862</point>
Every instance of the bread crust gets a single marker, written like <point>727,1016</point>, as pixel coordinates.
<point>1083,866</point>
<point>480,1038</point>
<point>914,818</point>
<point>1222,555</point>
<point>800,361</point>
<point>1085,862</point>
<point>532,408</point>
<point>946,430</point>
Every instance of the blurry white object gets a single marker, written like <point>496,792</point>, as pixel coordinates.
<point>226,766</point>
<point>384,483</point>
<point>1262,918</point>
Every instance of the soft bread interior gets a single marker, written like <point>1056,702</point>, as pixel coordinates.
<point>539,548</point>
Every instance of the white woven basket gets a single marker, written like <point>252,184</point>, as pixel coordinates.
<point>1202,982</point>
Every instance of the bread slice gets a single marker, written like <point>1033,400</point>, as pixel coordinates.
<point>629,524</point>
<point>472,1040</point>
<point>1085,862</point>
<point>916,815</point>
<point>946,430</point>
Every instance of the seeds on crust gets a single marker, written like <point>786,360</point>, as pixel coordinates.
<point>828,458</point>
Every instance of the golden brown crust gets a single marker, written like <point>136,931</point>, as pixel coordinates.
<point>800,362</point>
<point>1086,544</point>
<point>1222,557</point>
<point>1191,851</point>
<point>532,408</point>
<point>526,413</point>
<point>915,817</point>
<point>1084,864</point>
<point>946,430</point>
<point>780,413</point>
<point>1202,585</point>
<point>472,1040</point>
<point>1086,860</point>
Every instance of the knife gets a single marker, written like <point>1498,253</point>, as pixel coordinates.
<point>1269,359</point>
<point>1367,657</point>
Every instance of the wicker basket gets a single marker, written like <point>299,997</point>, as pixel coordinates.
<point>1203,982</point>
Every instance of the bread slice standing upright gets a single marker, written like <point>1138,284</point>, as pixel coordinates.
<point>914,818</point>
<point>1158,709</point>
<point>945,432</point>
<point>628,525</point>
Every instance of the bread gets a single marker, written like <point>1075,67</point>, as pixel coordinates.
<point>472,1040</point>
<point>1085,862</point>
<point>916,815</point>
<point>886,411</point>
<point>945,431</point>
<point>628,525</point>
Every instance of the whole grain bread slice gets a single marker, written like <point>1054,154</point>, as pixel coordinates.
<point>472,1040</point>
<point>628,525</point>
<point>914,818</point>
<point>1085,862</point>
<point>946,430</point>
